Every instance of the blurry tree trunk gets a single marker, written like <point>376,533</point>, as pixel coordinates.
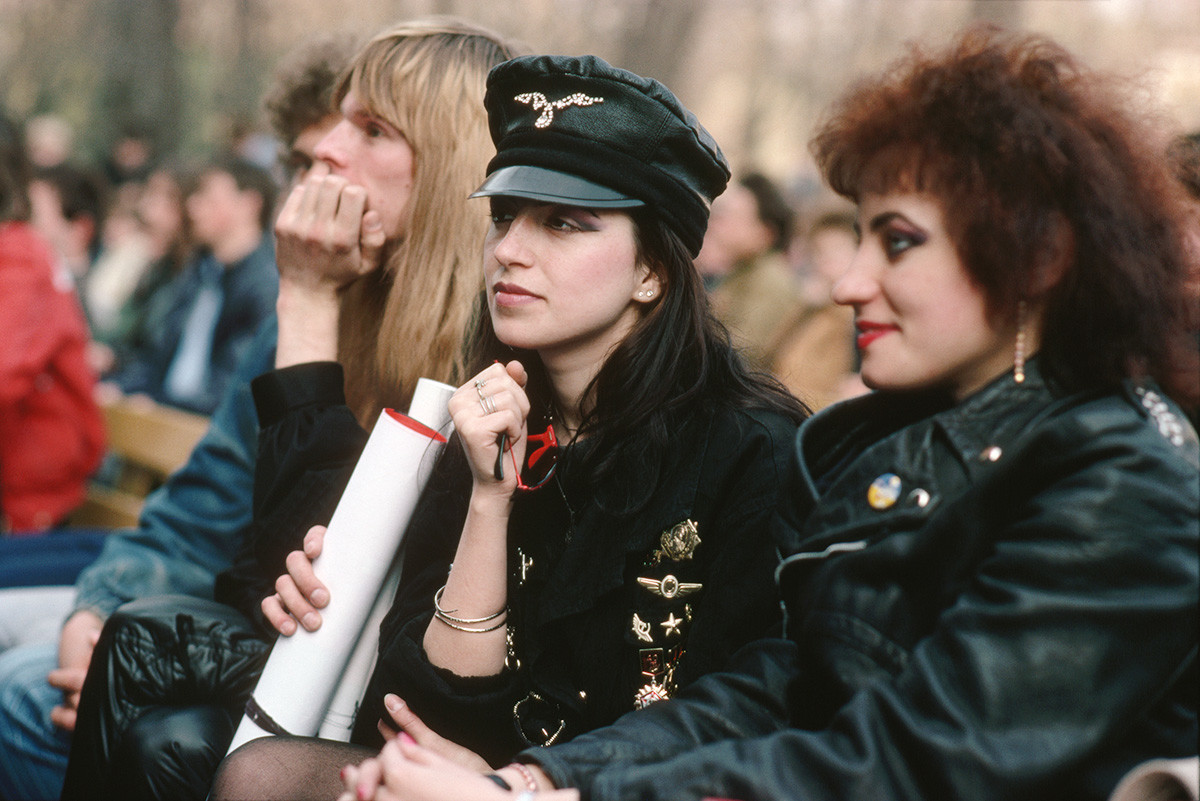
<point>140,70</point>
<point>235,89</point>
<point>657,36</point>
<point>759,84</point>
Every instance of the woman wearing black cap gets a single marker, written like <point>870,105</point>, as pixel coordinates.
<point>597,575</point>
<point>990,564</point>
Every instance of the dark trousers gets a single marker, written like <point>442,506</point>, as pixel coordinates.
<point>162,699</point>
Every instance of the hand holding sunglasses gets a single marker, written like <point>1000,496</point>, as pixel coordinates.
<point>540,464</point>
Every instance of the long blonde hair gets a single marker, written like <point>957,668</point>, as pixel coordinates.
<point>409,319</point>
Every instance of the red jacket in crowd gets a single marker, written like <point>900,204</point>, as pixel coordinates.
<point>51,431</point>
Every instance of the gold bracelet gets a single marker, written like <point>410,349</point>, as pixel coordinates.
<point>448,617</point>
<point>457,627</point>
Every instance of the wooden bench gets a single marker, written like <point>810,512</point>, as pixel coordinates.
<point>149,442</point>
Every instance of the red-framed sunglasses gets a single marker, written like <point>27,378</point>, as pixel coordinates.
<point>546,454</point>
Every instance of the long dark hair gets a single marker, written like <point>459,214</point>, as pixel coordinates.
<point>676,362</point>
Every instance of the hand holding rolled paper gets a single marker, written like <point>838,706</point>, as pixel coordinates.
<point>299,681</point>
<point>299,593</point>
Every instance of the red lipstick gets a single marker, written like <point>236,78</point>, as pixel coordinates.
<point>868,332</point>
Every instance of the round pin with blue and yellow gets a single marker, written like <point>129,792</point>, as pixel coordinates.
<point>884,491</point>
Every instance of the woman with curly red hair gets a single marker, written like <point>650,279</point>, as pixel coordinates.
<point>990,564</point>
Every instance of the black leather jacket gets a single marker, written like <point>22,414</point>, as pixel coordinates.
<point>1017,619</point>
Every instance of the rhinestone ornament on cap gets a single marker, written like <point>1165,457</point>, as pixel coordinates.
<point>539,103</point>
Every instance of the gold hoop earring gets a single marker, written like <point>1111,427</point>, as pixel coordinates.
<point>1019,351</point>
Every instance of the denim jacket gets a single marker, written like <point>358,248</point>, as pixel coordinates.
<point>190,528</point>
<point>248,291</point>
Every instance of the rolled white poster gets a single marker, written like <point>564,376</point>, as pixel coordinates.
<point>343,707</point>
<point>363,537</point>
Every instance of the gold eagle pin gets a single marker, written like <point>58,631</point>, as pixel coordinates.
<point>678,542</point>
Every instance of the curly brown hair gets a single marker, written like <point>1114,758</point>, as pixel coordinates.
<point>1184,153</point>
<point>301,91</point>
<point>1013,137</point>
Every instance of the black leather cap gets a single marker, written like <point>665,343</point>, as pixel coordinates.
<point>577,130</point>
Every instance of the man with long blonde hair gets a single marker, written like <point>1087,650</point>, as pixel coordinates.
<point>364,306</point>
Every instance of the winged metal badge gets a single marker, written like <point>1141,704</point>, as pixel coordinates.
<point>669,586</point>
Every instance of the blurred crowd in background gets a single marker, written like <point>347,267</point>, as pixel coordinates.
<point>138,247</point>
<point>166,240</point>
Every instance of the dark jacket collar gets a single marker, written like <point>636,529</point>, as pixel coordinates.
<point>838,434</point>
<point>931,446</point>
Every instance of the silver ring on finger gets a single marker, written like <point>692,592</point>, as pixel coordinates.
<point>488,403</point>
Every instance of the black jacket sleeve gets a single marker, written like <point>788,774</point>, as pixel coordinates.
<point>308,445</point>
<point>745,700</point>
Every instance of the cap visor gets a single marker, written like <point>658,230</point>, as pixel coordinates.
<point>550,186</point>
